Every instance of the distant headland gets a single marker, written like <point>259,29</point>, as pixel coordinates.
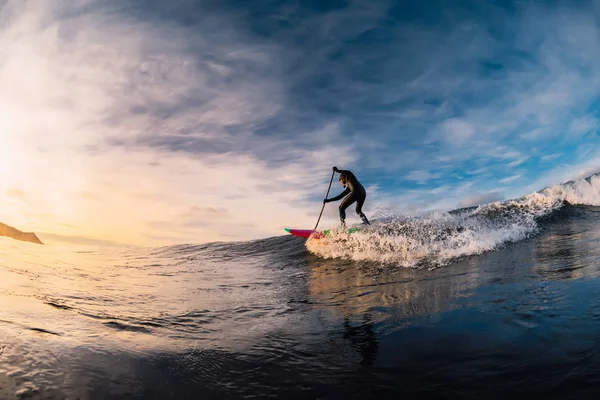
<point>14,233</point>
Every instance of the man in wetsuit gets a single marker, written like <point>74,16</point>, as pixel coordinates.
<point>355,193</point>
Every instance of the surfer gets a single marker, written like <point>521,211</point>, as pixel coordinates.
<point>355,193</point>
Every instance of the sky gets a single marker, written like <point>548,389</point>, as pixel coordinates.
<point>161,122</point>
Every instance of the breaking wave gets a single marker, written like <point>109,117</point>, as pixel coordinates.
<point>435,239</point>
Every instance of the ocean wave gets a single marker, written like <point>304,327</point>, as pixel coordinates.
<point>436,239</point>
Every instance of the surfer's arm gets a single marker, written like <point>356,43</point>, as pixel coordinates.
<point>341,171</point>
<point>339,196</point>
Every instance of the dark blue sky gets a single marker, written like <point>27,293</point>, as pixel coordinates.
<point>466,95</point>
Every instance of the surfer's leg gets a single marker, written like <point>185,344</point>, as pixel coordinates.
<point>351,198</point>
<point>359,203</point>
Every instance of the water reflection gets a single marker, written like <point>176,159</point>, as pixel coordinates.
<point>353,290</point>
<point>364,304</point>
<point>569,249</point>
<point>363,338</point>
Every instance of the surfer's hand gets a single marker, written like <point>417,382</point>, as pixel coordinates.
<point>325,201</point>
<point>335,169</point>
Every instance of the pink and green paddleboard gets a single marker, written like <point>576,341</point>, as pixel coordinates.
<point>306,233</point>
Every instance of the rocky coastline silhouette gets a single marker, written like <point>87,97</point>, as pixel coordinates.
<point>16,234</point>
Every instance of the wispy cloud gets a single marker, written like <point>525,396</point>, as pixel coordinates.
<point>457,131</point>
<point>510,178</point>
<point>420,176</point>
<point>517,162</point>
<point>550,157</point>
<point>479,199</point>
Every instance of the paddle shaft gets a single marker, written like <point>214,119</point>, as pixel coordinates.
<point>322,208</point>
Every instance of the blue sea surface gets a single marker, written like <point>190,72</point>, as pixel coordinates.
<point>270,318</point>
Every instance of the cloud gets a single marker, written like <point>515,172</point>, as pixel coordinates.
<point>550,157</point>
<point>518,162</point>
<point>583,125</point>
<point>420,176</point>
<point>455,130</point>
<point>206,213</point>
<point>205,121</point>
<point>16,194</point>
<point>131,124</point>
<point>483,198</point>
<point>510,178</point>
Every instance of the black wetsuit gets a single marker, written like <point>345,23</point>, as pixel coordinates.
<point>355,193</point>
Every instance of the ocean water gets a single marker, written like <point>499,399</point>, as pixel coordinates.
<point>478,303</point>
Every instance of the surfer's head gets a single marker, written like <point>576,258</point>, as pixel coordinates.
<point>343,180</point>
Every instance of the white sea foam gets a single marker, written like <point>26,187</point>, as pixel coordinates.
<point>436,238</point>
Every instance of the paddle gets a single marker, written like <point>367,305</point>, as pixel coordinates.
<point>322,208</point>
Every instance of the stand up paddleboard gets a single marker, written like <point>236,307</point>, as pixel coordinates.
<point>312,233</point>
